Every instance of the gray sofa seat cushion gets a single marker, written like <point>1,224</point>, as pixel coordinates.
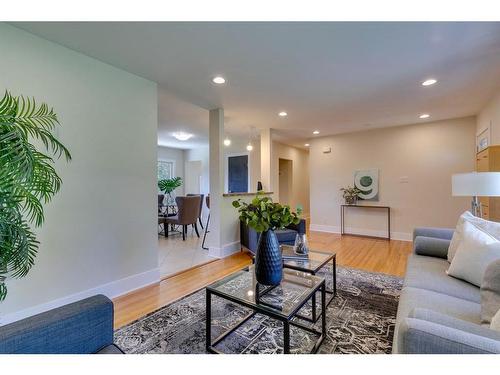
<point>286,235</point>
<point>430,273</point>
<point>424,337</point>
<point>412,298</point>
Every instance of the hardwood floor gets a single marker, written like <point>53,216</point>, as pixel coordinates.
<point>356,252</point>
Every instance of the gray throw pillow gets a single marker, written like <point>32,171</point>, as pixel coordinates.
<point>490,292</point>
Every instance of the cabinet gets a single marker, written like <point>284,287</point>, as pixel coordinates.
<point>488,160</point>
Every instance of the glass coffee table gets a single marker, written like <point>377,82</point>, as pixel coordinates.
<point>316,262</point>
<point>281,302</point>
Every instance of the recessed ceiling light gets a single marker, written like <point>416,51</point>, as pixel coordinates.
<point>429,82</point>
<point>182,136</point>
<point>424,115</point>
<point>307,145</point>
<point>249,147</point>
<point>316,132</point>
<point>219,80</point>
<point>227,142</point>
<point>282,114</point>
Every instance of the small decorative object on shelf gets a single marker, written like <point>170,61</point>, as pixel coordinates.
<point>265,216</point>
<point>301,246</point>
<point>350,194</point>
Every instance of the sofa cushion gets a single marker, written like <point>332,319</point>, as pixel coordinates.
<point>475,252</point>
<point>430,273</point>
<point>412,298</point>
<point>286,235</point>
<point>490,292</point>
<point>490,227</point>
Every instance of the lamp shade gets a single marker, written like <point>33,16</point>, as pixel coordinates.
<point>480,184</point>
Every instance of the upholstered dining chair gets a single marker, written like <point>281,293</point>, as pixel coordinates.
<point>161,197</point>
<point>187,214</point>
<point>201,207</point>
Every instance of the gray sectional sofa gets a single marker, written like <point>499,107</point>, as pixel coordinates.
<point>438,313</point>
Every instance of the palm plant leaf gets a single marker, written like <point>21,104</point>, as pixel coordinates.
<point>168,185</point>
<point>28,180</point>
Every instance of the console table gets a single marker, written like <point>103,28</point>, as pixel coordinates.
<point>342,225</point>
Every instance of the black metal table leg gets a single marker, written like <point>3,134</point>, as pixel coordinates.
<point>286,337</point>
<point>334,261</point>
<point>323,311</point>
<point>205,234</point>
<point>314,307</point>
<point>208,340</point>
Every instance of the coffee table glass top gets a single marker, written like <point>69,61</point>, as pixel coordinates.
<point>284,299</point>
<point>315,261</point>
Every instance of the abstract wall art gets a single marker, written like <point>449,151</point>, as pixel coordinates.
<point>367,181</point>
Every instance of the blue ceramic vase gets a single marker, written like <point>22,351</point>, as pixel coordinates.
<point>268,260</point>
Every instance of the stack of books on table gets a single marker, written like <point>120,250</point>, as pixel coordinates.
<point>288,253</point>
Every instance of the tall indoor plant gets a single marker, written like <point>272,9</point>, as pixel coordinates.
<point>168,185</point>
<point>28,180</point>
<point>265,216</point>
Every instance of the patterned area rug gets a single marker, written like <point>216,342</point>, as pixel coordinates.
<point>359,320</point>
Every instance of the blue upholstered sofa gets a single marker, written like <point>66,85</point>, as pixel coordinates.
<point>249,238</point>
<point>83,327</point>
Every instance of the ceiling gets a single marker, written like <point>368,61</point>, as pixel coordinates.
<point>334,77</point>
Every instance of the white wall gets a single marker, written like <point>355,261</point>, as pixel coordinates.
<point>177,156</point>
<point>100,230</point>
<point>489,116</point>
<point>427,154</point>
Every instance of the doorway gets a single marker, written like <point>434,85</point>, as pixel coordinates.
<point>192,176</point>
<point>285,181</point>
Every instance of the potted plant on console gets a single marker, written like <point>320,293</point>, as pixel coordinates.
<point>265,216</point>
<point>350,195</point>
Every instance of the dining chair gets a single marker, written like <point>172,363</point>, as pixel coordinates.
<point>187,214</point>
<point>201,207</point>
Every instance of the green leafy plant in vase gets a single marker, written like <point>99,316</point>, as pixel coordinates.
<point>28,180</point>
<point>350,194</point>
<point>265,216</point>
<point>168,185</point>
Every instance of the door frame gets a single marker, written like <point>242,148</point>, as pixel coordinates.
<point>226,169</point>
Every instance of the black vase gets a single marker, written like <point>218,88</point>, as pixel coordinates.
<point>268,260</point>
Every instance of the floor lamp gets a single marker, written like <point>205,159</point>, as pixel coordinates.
<point>475,185</point>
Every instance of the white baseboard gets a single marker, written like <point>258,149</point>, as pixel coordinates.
<point>111,290</point>
<point>400,236</point>
<point>224,251</point>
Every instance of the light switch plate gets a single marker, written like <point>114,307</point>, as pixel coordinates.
<point>403,180</point>
<point>327,150</point>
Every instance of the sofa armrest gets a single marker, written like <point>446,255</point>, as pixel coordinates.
<point>429,246</point>
<point>300,227</point>
<point>429,332</point>
<point>82,327</point>
<point>442,233</point>
<point>249,238</point>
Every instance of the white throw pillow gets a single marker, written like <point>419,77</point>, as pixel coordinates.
<point>495,322</point>
<point>490,227</point>
<point>475,252</point>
